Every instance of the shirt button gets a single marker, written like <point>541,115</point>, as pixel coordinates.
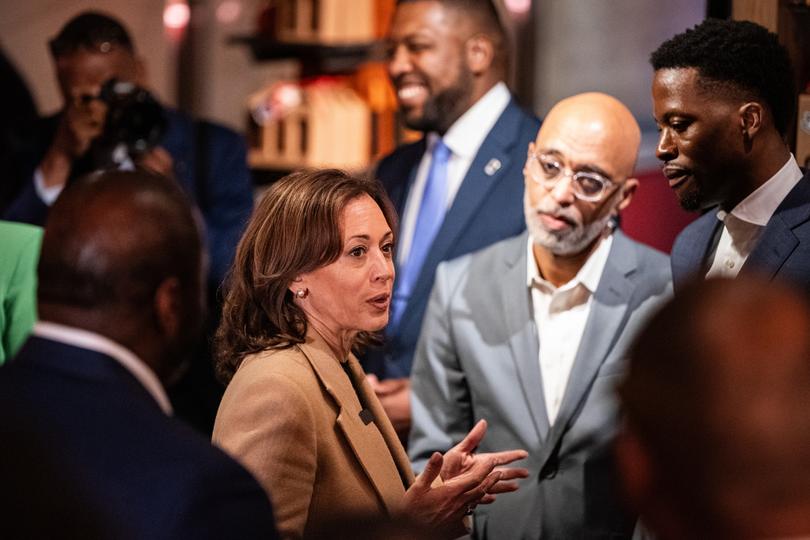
<point>729,263</point>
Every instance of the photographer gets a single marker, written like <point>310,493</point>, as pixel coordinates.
<point>208,161</point>
<point>110,120</point>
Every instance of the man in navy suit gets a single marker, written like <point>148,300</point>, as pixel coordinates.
<point>723,97</point>
<point>83,410</point>
<point>460,187</point>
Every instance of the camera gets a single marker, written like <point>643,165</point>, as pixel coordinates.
<point>135,123</point>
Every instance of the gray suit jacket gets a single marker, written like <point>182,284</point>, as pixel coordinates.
<point>478,358</point>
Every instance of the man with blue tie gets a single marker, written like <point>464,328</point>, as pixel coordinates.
<point>459,188</point>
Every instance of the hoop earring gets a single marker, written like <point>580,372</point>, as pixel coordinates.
<point>301,293</point>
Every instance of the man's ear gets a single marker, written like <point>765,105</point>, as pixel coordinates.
<point>168,306</point>
<point>628,191</point>
<point>751,116</point>
<point>480,53</point>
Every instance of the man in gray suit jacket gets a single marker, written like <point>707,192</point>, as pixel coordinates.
<point>531,332</point>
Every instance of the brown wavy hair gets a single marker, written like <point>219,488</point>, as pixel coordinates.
<point>295,229</point>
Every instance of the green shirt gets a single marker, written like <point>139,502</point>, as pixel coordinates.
<point>19,253</point>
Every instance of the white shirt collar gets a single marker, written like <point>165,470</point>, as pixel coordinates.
<point>760,205</point>
<point>589,275</point>
<point>467,133</point>
<point>85,339</point>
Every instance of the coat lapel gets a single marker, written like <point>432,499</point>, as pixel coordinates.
<point>408,161</point>
<point>608,315</point>
<point>517,311</point>
<point>778,240</point>
<point>367,442</point>
<point>692,247</point>
<point>387,431</point>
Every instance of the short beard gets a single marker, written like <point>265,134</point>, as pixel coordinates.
<point>691,200</point>
<point>441,110</point>
<point>567,242</point>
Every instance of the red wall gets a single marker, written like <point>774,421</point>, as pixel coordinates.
<point>654,216</point>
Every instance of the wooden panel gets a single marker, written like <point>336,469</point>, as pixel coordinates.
<point>764,12</point>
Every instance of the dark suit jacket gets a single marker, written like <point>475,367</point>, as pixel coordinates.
<point>221,187</point>
<point>486,209</point>
<point>88,453</point>
<point>783,250</point>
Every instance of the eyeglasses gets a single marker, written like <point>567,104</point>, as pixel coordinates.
<point>547,171</point>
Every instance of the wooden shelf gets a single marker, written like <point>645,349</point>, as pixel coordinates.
<point>315,58</point>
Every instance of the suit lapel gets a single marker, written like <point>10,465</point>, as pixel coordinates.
<point>367,442</point>
<point>471,195</point>
<point>608,315</point>
<point>778,240</point>
<point>408,161</point>
<point>693,246</point>
<point>517,311</point>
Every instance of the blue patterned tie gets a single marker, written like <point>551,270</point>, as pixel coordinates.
<point>431,215</point>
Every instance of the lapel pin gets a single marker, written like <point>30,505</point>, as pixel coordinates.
<point>492,166</point>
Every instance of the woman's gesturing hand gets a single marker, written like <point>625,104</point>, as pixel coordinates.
<point>468,479</point>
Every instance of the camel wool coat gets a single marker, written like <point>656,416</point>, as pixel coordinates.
<point>293,418</point>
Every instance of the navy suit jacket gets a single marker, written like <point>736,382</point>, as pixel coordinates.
<point>222,189</point>
<point>488,207</point>
<point>87,452</point>
<point>782,252</point>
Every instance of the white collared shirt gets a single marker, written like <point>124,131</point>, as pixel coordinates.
<point>560,315</point>
<point>743,226</point>
<point>91,341</point>
<point>464,139</point>
<point>50,194</point>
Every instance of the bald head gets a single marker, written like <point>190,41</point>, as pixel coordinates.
<point>114,241</point>
<point>593,140</point>
<point>719,395</point>
<point>598,127</point>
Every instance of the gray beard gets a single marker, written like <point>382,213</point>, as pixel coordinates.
<point>567,242</point>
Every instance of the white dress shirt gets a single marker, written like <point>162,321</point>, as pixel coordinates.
<point>85,339</point>
<point>560,315</point>
<point>50,194</point>
<point>743,226</point>
<point>464,139</point>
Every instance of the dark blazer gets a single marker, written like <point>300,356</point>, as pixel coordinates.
<point>478,358</point>
<point>783,250</point>
<point>487,208</point>
<point>88,453</point>
<point>209,164</point>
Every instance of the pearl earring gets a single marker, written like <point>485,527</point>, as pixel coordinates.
<point>301,293</point>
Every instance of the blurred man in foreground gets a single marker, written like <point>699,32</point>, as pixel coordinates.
<point>717,436</point>
<point>84,418</point>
